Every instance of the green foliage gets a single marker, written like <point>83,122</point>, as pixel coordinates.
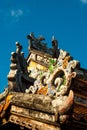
<point>51,65</point>
<point>64,80</point>
<point>52,61</point>
<point>59,88</point>
<point>51,68</point>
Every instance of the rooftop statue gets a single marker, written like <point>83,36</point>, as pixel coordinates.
<point>36,43</point>
<point>55,49</point>
<point>18,71</point>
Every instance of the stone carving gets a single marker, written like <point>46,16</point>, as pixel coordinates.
<point>18,71</point>
<point>58,81</point>
<point>47,96</point>
<point>55,50</point>
<point>36,43</point>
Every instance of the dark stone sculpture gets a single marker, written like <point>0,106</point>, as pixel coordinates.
<point>36,43</point>
<point>18,77</point>
<point>55,50</point>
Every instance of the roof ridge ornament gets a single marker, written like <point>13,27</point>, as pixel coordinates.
<point>55,50</point>
<point>18,47</point>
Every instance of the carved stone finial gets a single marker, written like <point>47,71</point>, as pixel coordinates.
<point>18,47</point>
<point>54,42</point>
<point>53,38</point>
<point>18,70</point>
<point>30,37</point>
<point>35,43</point>
<point>55,47</point>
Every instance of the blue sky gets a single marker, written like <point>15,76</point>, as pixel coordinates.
<point>65,19</point>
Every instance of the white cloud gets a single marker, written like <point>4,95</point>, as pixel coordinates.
<point>13,15</point>
<point>84,1</point>
<point>16,13</point>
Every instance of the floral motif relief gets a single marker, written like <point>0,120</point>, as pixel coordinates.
<point>55,82</point>
<point>57,79</point>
